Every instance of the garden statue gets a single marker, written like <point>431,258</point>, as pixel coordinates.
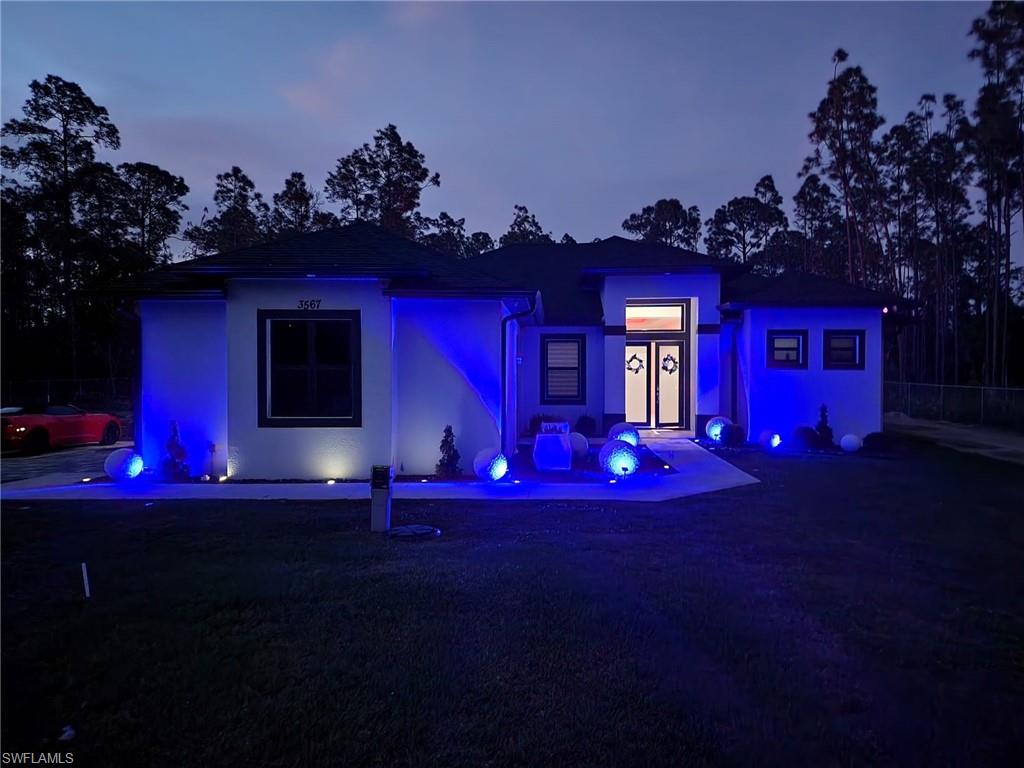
<point>174,465</point>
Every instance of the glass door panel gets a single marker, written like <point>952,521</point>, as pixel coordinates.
<point>669,361</point>
<point>638,384</point>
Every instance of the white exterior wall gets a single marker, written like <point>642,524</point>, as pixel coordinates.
<point>184,379</point>
<point>307,452</point>
<point>448,358</point>
<point>702,285</point>
<point>529,376</point>
<point>781,399</point>
<point>705,355</point>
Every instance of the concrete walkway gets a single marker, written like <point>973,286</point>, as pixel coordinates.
<point>696,471</point>
<point>968,438</point>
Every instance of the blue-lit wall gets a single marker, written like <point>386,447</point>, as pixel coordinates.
<point>184,379</point>
<point>780,400</point>
<point>529,376</point>
<point>448,371</point>
<point>308,453</point>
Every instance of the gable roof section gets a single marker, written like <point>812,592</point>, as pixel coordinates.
<point>356,250</point>
<point>798,289</point>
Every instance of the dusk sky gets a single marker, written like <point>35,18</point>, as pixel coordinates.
<point>583,112</point>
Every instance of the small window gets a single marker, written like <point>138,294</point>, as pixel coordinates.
<point>843,350</point>
<point>651,317</point>
<point>309,369</point>
<point>563,369</point>
<point>787,349</point>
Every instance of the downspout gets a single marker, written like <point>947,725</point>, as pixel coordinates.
<point>502,405</point>
<point>132,315</point>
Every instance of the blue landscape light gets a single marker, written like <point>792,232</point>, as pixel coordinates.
<point>626,432</point>
<point>490,464</point>
<point>619,458</point>
<point>715,426</point>
<point>775,441</point>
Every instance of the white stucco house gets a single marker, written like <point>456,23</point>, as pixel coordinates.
<point>322,355</point>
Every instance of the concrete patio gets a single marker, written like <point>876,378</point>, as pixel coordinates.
<point>696,471</point>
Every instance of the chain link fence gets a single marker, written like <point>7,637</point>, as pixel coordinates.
<point>990,406</point>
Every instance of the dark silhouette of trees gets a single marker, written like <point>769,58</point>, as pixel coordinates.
<point>667,222</point>
<point>741,228</point>
<point>71,224</point>
<point>382,183</point>
<point>524,229</point>
<point>242,218</point>
<point>297,209</point>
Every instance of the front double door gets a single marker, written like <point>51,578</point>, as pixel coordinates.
<point>657,384</point>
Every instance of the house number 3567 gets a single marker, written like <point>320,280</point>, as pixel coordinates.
<point>309,303</point>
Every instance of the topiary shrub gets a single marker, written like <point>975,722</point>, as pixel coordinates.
<point>733,435</point>
<point>448,466</point>
<point>586,426</point>
<point>826,439</point>
<point>804,439</point>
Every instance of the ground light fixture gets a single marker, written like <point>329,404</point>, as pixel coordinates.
<point>222,479</point>
<point>331,481</point>
<point>619,458</point>
<point>715,426</point>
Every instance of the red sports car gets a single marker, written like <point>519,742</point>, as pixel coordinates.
<point>34,430</point>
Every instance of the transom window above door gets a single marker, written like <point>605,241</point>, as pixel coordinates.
<point>654,317</point>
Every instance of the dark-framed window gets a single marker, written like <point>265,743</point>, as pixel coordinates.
<point>787,349</point>
<point>843,350</point>
<point>563,369</point>
<point>309,368</point>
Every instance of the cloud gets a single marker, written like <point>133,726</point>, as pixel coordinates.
<point>335,73</point>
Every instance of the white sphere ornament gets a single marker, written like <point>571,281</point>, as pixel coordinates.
<point>625,431</point>
<point>490,464</point>
<point>851,443</point>
<point>123,464</point>
<point>580,444</point>
<point>714,427</point>
<point>619,458</point>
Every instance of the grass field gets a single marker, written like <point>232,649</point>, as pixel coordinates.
<point>847,610</point>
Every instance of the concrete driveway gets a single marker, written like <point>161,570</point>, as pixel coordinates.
<point>63,464</point>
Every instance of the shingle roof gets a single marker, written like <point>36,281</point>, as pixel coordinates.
<point>355,250</point>
<point>798,289</point>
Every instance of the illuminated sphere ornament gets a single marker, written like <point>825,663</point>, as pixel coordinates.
<point>580,444</point>
<point>626,432</point>
<point>123,464</point>
<point>714,427</point>
<point>619,458</point>
<point>851,443</point>
<point>490,464</point>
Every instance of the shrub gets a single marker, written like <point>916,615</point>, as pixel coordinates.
<point>537,419</point>
<point>586,425</point>
<point>733,435</point>
<point>448,466</point>
<point>826,439</point>
<point>804,439</point>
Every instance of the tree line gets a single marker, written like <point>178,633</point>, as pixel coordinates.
<point>923,209</point>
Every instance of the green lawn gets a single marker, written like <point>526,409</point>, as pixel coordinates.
<point>848,610</point>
